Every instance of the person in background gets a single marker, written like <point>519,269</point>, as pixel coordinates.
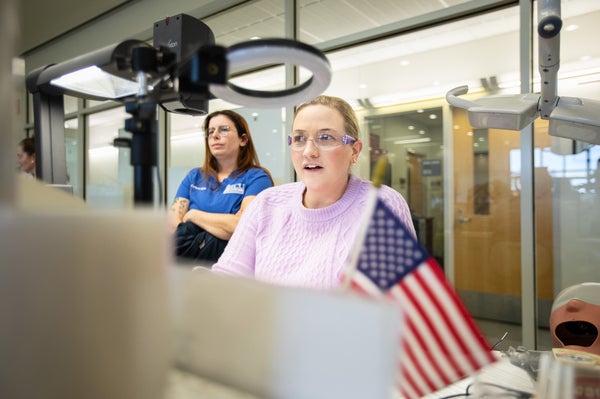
<point>26,156</point>
<point>303,234</point>
<point>211,199</point>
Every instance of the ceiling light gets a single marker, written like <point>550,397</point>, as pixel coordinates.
<point>413,141</point>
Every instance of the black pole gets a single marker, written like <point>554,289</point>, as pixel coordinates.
<point>49,128</point>
<point>143,126</point>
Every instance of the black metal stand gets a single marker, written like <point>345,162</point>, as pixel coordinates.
<point>143,126</point>
<point>49,128</point>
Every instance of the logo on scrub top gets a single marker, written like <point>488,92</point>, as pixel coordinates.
<point>237,188</point>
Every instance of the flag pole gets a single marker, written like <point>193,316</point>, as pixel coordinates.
<point>378,177</point>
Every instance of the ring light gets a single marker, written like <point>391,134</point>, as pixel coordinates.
<point>267,52</point>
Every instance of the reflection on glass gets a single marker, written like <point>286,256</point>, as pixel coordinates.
<point>481,169</point>
<point>71,104</point>
<point>110,175</point>
<point>569,184</point>
<point>74,152</point>
<point>412,141</point>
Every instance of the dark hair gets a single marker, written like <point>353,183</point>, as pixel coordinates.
<point>247,156</point>
<point>28,145</point>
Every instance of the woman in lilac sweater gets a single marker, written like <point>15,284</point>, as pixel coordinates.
<point>303,234</point>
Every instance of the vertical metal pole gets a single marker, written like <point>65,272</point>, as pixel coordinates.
<point>9,30</point>
<point>529,320</point>
<point>291,79</point>
<point>448,140</point>
<point>143,125</point>
<point>50,153</point>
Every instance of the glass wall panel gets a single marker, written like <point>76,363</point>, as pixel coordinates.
<point>567,178</point>
<point>71,104</point>
<point>74,145</point>
<point>398,87</point>
<point>109,182</point>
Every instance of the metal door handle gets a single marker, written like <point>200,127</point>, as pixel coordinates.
<point>462,219</point>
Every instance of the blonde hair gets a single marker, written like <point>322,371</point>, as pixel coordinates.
<point>348,114</point>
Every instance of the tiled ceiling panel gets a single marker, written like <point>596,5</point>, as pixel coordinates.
<point>325,20</point>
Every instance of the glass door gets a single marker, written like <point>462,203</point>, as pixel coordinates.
<point>487,222</point>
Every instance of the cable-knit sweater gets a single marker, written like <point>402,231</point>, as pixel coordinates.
<point>278,240</point>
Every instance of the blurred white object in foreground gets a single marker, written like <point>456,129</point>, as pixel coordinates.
<point>276,342</point>
<point>83,300</point>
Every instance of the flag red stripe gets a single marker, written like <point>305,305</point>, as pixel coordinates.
<point>457,340</point>
<point>429,364</point>
<point>411,358</point>
<point>464,314</point>
<point>414,339</point>
<point>413,289</point>
<point>422,333</point>
<point>410,287</point>
<point>471,342</point>
<point>405,388</point>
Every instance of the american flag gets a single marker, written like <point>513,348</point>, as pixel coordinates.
<point>439,342</point>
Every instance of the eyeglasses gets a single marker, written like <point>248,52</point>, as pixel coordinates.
<point>222,130</point>
<point>323,141</point>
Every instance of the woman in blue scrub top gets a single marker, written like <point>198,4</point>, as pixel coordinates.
<point>211,199</point>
